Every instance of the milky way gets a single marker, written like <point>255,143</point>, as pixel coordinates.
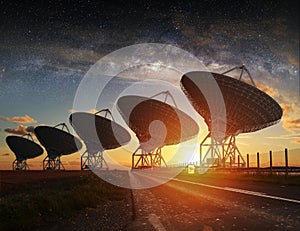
<point>46,48</point>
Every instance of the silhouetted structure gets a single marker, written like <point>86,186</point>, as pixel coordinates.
<point>23,148</point>
<point>57,143</point>
<point>248,109</point>
<point>156,124</point>
<point>99,133</point>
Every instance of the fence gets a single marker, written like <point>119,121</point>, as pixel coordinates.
<point>262,164</point>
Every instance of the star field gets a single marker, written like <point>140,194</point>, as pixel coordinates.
<point>46,47</point>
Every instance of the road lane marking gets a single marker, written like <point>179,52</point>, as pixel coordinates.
<point>152,218</point>
<point>155,222</point>
<point>253,193</point>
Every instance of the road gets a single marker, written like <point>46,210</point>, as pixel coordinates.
<point>183,203</point>
<point>213,204</point>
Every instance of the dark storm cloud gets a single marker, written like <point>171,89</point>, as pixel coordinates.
<point>20,130</point>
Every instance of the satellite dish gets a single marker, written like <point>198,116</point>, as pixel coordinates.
<point>139,112</point>
<point>57,143</point>
<point>248,109</point>
<point>156,124</point>
<point>108,135</point>
<point>23,149</point>
<point>98,133</point>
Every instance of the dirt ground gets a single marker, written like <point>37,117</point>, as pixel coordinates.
<point>22,181</point>
<point>107,215</point>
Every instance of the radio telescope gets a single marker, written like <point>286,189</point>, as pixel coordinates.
<point>99,133</point>
<point>156,124</point>
<point>23,148</point>
<point>248,109</point>
<point>57,143</point>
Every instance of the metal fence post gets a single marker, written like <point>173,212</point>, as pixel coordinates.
<point>257,157</point>
<point>286,162</point>
<point>271,163</point>
<point>248,161</point>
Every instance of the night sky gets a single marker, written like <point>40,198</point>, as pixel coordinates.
<point>46,47</point>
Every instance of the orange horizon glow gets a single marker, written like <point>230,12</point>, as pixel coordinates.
<point>123,158</point>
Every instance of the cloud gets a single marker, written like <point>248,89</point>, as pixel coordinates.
<point>283,137</point>
<point>271,91</point>
<point>20,130</point>
<point>291,116</point>
<point>26,119</point>
<point>93,111</point>
<point>291,110</point>
<point>293,60</point>
<point>5,154</point>
<point>71,110</point>
<point>290,125</point>
<point>295,138</point>
<point>288,108</point>
<point>295,121</point>
<point>30,129</point>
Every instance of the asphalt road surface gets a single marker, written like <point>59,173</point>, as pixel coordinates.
<point>213,204</point>
<point>190,203</point>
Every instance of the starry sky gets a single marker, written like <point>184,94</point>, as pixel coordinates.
<point>46,47</point>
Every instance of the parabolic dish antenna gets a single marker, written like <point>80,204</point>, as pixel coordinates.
<point>156,124</point>
<point>24,149</point>
<point>98,133</point>
<point>248,109</point>
<point>57,143</point>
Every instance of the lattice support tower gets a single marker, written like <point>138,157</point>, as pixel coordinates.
<point>20,165</point>
<point>213,154</point>
<point>248,109</point>
<point>220,154</point>
<point>95,160</point>
<point>232,153</point>
<point>153,158</point>
<point>52,163</point>
<point>143,159</point>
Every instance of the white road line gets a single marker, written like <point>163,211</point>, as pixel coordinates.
<point>253,193</point>
<point>155,222</point>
